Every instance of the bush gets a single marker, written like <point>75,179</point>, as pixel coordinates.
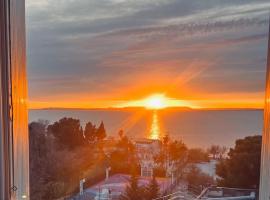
<point>242,168</point>
<point>195,177</point>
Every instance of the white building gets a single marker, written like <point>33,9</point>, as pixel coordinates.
<point>146,150</point>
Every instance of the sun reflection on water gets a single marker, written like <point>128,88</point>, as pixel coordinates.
<point>155,128</point>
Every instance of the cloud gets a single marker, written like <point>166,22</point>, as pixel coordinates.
<point>101,48</point>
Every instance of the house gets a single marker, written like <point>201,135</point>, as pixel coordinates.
<point>146,150</point>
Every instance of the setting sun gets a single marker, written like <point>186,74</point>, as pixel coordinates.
<point>156,102</point>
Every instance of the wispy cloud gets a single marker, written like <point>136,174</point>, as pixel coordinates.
<point>105,49</point>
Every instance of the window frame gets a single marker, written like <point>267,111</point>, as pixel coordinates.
<point>14,149</point>
<point>14,145</point>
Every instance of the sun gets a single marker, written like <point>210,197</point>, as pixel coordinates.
<point>157,101</point>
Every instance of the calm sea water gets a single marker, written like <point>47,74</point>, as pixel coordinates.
<point>195,128</point>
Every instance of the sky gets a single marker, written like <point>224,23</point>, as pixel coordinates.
<point>113,53</point>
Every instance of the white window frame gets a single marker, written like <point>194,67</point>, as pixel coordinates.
<point>14,149</point>
<point>14,146</point>
<point>264,193</point>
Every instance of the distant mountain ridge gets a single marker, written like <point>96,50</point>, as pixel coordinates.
<point>143,108</point>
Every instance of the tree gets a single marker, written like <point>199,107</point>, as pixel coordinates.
<point>101,132</point>
<point>165,140</point>
<point>217,152</point>
<point>38,152</point>
<point>222,152</point>
<point>133,191</point>
<point>123,156</point>
<point>242,167</point>
<point>67,132</point>
<point>196,177</point>
<point>197,155</point>
<point>51,179</point>
<point>177,150</point>
<point>214,151</point>
<point>90,132</point>
<point>121,134</point>
<point>152,190</point>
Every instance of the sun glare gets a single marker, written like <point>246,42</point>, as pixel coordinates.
<point>156,102</point>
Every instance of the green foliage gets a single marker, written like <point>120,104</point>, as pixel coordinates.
<point>101,132</point>
<point>196,177</point>
<point>133,191</point>
<point>197,155</point>
<point>95,135</point>
<point>67,132</point>
<point>242,168</point>
<point>90,132</point>
<point>171,151</point>
<point>55,172</point>
<point>177,150</point>
<point>124,156</point>
<point>38,145</point>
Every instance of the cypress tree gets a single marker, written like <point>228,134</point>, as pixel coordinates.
<point>101,132</point>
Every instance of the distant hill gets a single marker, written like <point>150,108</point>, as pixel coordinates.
<point>113,108</point>
<point>143,108</point>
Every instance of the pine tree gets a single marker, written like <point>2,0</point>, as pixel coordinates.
<point>152,189</point>
<point>133,191</point>
<point>67,132</point>
<point>101,132</point>
<point>90,132</point>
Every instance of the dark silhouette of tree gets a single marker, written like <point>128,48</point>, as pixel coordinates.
<point>38,154</point>
<point>177,150</point>
<point>101,132</point>
<point>242,168</point>
<point>222,152</point>
<point>173,152</point>
<point>67,132</point>
<point>152,190</point>
<point>121,134</point>
<point>123,156</point>
<point>165,140</point>
<point>196,178</point>
<point>214,151</point>
<point>90,132</point>
<point>217,152</point>
<point>133,191</point>
<point>54,171</point>
<point>197,155</point>
<point>163,155</point>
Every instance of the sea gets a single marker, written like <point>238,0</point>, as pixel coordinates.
<point>196,128</point>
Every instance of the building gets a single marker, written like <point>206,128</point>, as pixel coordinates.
<point>146,150</point>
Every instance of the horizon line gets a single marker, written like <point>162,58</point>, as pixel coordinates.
<point>144,108</point>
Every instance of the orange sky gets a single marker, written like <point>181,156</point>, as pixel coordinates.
<point>222,103</point>
<point>178,89</point>
<point>212,58</point>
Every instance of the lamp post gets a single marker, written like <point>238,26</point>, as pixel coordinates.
<point>108,169</point>
<point>81,186</point>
